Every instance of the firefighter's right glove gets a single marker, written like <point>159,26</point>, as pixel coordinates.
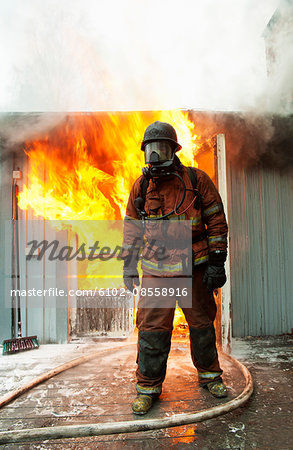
<point>215,276</point>
<point>130,276</point>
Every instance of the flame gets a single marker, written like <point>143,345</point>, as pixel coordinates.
<point>85,170</point>
<point>183,434</point>
<point>179,321</point>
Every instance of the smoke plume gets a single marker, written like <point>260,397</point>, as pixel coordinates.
<point>88,55</point>
<point>84,55</point>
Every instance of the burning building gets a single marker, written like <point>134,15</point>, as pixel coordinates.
<point>73,173</point>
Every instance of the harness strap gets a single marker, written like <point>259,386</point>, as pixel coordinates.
<point>144,184</point>
<point>193,179</point>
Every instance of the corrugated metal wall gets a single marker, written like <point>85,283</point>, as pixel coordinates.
<point>261,253</point>
<point>6,167</point>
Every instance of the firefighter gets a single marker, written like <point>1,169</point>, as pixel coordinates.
<point>166,193</point>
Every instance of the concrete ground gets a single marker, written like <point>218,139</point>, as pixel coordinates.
<point>102,389</point>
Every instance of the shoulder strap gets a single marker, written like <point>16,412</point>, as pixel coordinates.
<point>144,184</point>
<point>193,178</point>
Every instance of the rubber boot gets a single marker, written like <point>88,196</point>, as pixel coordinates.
<point>217,388</point>
<point>142,404</point>
<point>145,398</point>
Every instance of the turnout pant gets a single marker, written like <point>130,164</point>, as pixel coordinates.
<point>154,336</point>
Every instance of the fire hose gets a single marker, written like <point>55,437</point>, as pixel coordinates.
<point>132,426</point>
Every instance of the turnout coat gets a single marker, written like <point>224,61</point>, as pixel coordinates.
<point>195,229</point>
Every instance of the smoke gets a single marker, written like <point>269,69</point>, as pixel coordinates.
<point>108,55</point>
<point>277,96</point>
<point>261,140</point>
<point>266,132</point>
<point>252,139</point>
<point>15,129</point>
<point>89,55</point>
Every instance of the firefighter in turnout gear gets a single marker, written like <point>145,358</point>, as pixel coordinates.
<point>165,204</point>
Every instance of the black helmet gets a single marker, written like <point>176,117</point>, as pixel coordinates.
<point>160,131</point>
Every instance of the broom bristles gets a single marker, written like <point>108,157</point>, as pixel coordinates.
<point>20,344</point>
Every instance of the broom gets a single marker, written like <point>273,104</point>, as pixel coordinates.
<point>17,343</point>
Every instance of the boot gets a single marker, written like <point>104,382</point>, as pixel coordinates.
<point>142,404</point>
<point>217,388</point>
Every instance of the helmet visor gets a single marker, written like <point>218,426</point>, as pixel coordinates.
<point>158,151</point>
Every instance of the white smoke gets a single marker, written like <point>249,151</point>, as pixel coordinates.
<point>89,55</point>
<point>279,38</point>
<point>17,128</point>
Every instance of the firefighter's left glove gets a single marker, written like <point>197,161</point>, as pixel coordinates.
<point>130,276</point>
<point>215,276</point>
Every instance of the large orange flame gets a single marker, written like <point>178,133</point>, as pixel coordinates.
<point>85,169</point>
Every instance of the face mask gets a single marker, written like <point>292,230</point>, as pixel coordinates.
<point>157,152</point>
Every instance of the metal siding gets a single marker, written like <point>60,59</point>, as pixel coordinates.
<point>285,213</point>
<point>5,214</point>
<point>272,253</point>
<point>260,217</point>
<point>61,280</point>
<point>50,282</point>
<point>9,162</point>
<point>46,315</point>
<point>238,248</point>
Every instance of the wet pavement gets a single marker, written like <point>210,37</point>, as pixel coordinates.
<point>101,390</point>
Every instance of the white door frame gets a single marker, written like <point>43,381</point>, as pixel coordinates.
<point>226,289</point>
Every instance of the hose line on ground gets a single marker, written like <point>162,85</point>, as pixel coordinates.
<point>132,426</point>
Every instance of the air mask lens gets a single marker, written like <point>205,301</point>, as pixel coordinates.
<point>157,152</point>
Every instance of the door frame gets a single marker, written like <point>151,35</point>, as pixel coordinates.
<point>226,311</point>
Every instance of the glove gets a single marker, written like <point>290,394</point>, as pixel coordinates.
<point>214,277</point>
<point>130,277</point>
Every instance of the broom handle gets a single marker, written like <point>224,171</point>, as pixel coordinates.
<point>19,331</point>
<point>13,274</point>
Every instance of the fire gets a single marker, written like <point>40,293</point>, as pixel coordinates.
<point>83,170</point>
<point>179,321</point>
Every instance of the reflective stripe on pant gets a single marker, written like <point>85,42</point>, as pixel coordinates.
<point>155,328</point>
<point>204,353</point>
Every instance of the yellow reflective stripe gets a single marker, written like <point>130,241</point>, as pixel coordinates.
<point>180,217</point>
<point>173,268</point>
<point>220,238</point>
<point>148,390</point>
<point>165,268</point>
<point>195,220</point>
<point>200,260</point>
<point>213,209</point>
<point>173,216</point>
<point>209,374</point>
<point>131,218</point>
